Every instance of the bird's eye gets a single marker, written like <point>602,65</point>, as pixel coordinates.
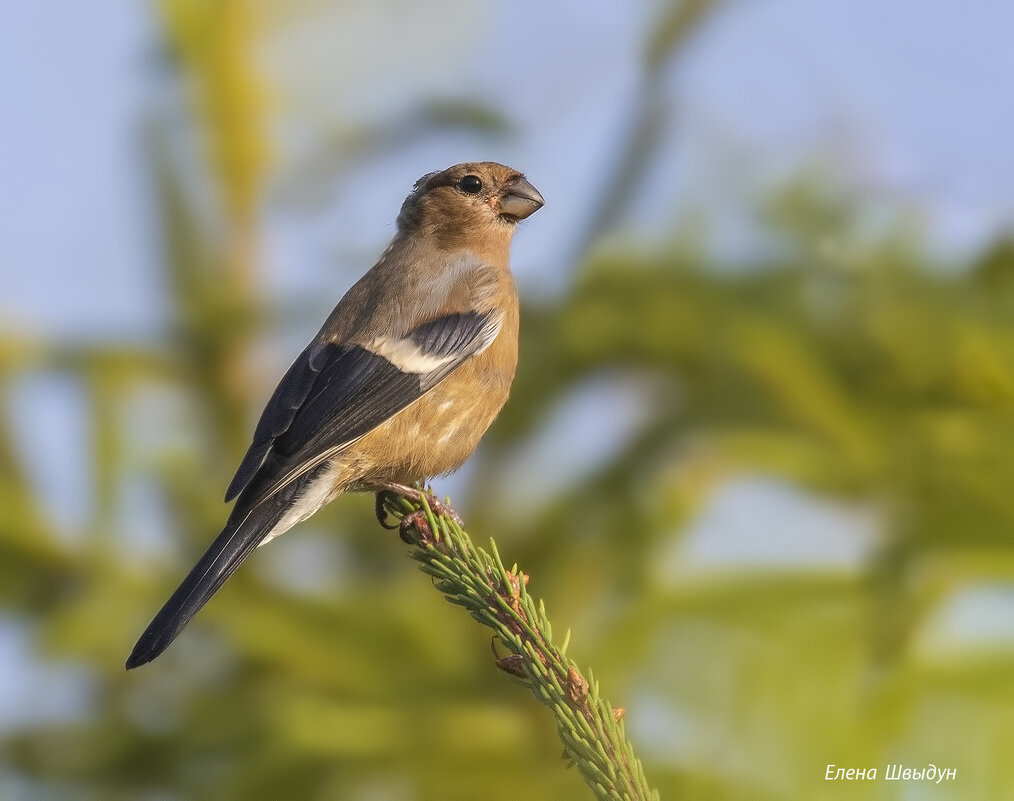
<point>470,184</point>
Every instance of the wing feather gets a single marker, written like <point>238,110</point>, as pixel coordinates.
<point>334,393</point>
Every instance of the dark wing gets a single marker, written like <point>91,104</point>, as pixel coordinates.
<point>334,394</point>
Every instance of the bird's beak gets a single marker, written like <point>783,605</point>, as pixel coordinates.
<point>520,199</point>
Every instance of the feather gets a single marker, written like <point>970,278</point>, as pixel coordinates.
<point>227,552</point>
<point>345,391</point>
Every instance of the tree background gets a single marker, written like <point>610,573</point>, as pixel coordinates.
<point>758,453</point>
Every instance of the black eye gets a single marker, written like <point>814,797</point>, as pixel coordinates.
<point>470,184</point>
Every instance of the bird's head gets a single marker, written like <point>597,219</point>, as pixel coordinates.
<point>473,199</point>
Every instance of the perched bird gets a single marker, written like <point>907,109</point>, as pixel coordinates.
<point>399,384</point>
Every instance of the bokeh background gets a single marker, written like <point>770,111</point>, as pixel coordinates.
<point>759,454</point>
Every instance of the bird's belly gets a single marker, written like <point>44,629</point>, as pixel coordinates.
<point>453,424</point>
<point>434,435</point>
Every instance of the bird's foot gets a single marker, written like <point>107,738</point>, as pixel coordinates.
<point>416,519</point>
<point>380,509</point>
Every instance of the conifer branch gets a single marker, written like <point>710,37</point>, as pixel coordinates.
<point>590,728</point>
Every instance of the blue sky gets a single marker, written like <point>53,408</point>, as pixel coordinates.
<point>910,102</point>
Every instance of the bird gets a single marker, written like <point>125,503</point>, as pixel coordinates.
<point>399,385</point>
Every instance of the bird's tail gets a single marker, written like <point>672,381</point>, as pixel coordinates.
<point>237,540</point>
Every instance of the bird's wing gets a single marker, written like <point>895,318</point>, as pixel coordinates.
<point>333,394</point>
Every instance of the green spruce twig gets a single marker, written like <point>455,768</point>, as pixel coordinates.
<point>590,728</point>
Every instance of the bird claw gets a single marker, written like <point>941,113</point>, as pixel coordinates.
<point>380,509</point>
<point>416,519</point>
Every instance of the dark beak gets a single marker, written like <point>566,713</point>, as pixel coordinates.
<point>520,199</point>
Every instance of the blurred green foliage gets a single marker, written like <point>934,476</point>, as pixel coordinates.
<point>855,371</point>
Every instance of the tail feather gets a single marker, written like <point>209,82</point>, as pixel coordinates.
<point>227,552</point>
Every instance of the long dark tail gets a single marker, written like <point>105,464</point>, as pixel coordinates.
<point>237,540</point>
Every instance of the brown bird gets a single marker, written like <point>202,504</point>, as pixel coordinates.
<point>399,384</point>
